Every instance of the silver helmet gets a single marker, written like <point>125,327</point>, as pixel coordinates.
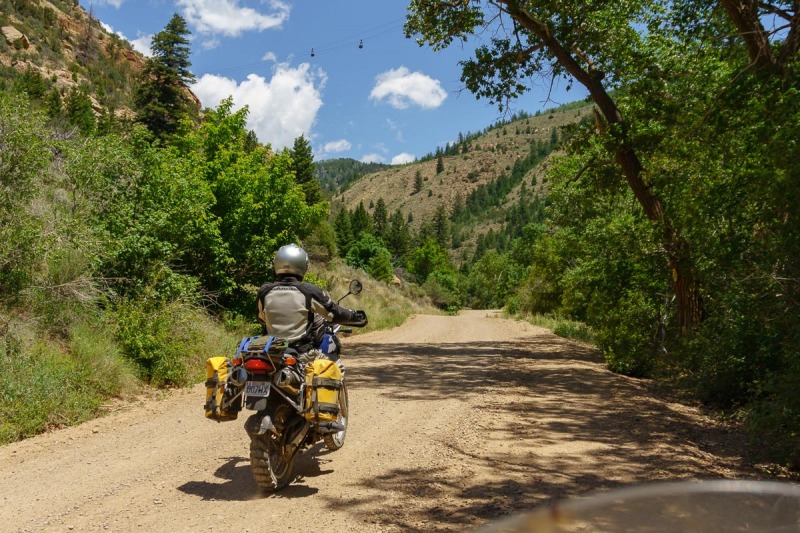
<point>291,259</point>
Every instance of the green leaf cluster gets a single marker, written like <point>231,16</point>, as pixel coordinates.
<point>671,226</point>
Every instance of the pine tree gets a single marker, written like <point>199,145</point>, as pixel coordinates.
<point>553,137</point>
<point>398,237</point>
<point>441,226</point>
<point>303,167</point>
<point>360,221</point>
<point>439,164</point>
<point>380,218</point>
<point>417,182</point>
<point>380,266</point>
<point>163,99</point>
<point>53,103</point>
<point>78,108</point>
<point>344,232</point>
<point>458,207</point>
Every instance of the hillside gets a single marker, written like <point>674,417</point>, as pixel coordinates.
<point>57,45</point>
<point>338,174</point>
<point>488,156</point>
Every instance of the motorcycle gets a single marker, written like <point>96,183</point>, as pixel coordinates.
<point>288,396</point>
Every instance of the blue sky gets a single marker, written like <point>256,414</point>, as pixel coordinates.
<point>391,101</point>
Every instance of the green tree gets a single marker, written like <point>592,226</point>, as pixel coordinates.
<point>344,232</point>
<point>303,166</point>
<point>369,254</point>
<point>79,111</point>
<point>259,204</point>
<point>427,259</point>
<point>398,237</point>
<point>162,99</point>
<point>457,211</point>
<point>542,36</point>
<point>441,226</point>
<point>439,163</point>
<point>53,103</point>
<point>360,221</point>
<point>417,181</point>
<point>380,218</point>
<point>23,167</point>
<point>380,266</point>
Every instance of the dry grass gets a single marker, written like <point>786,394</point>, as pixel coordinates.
<point>387,306</point>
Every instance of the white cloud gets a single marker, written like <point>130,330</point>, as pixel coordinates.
<point>398,133</point>
<point>342,145</point>
<point>227,17</point>
<point>210,44</point>
<point>269,56</point>
<point>402,88</point>
<point>280,109</point>
<point>401,159</point>
<point>142,44</point>
<point>372,158</point>
<point>112,3</point>
<point>110,30</point>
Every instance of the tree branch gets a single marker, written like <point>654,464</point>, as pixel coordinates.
<point>775,10</point>
<point>591,164</point>
<point>744,15</point>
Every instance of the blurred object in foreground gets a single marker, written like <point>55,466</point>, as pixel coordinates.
<point>722,506</point>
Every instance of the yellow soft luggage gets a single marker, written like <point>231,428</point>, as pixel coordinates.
<point>323,383</point>
<point>223,396</point>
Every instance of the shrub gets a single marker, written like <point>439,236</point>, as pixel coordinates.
<point>44,386</point>
<point>442,287</point>
<point>168,342</point>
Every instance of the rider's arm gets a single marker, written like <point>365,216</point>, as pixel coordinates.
<point>323,304</point>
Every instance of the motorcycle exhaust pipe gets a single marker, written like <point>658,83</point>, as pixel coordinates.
<point>287,380</point>
<point>238,376</point>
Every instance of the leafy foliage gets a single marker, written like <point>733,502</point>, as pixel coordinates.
<point>668,229</point>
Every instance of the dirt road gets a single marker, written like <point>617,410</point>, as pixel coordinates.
<point>455,421</point>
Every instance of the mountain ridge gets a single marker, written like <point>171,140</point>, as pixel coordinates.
<point>480,160</point>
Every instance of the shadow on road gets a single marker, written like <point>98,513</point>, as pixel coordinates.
<point>542,420</point>
<point>238,484</point>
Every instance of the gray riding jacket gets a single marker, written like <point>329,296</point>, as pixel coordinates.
<point>291,309</point>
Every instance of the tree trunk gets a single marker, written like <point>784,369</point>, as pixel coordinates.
<point>684,281</point>
<point>744,15</point>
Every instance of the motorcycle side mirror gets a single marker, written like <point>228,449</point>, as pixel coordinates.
<point>355,286</point>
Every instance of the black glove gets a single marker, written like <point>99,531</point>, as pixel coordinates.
<point>353,318</point>
<point>361,318</point>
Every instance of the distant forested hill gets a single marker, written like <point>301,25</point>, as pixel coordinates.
<point>339,174</point>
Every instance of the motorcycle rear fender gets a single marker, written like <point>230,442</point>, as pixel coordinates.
<point>256,404</point>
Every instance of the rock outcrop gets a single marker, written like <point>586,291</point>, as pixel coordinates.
<point>15,38</point>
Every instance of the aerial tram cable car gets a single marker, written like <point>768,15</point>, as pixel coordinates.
<point>360,46</point>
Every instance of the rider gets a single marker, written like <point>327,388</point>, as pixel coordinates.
<point>296,311</point>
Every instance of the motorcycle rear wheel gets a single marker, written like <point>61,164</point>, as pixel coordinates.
<point>271,470</point>
<point>335,441</point>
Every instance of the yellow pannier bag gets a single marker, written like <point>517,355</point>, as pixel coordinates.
<point>223,395</point>
<point>323,383</point>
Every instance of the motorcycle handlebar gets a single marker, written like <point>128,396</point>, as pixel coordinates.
<point>359,321</point>
<point>361,318</point>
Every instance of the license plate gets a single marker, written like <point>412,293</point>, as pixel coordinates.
<point>257,388</point>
